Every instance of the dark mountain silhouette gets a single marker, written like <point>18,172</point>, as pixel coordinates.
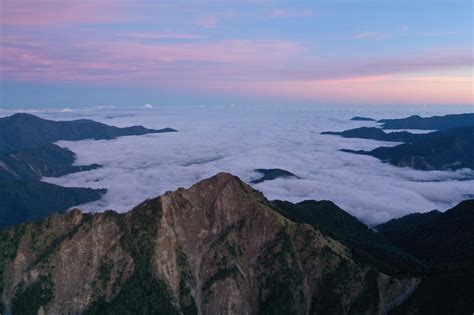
<point>359,118</point>
<point>377,134</point>
<point>430,123</point>
<point>27,154</point>
<point>450,149</point>
<point>29,201</point>
<point>435,237</point>
<point>271,174</point>
<point>25,131</point>
<point>48,160</point>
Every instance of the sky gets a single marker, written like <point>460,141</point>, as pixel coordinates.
<point>123,53</point>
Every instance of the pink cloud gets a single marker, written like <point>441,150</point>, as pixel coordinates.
<point>45,13</point>
<point>227,51</point>
<point>396,90</point>
<point>269,67</point>
<point>361,79</point>
<point>167,34</point>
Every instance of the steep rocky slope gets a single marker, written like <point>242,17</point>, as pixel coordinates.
<point>215,248</point>
<point>366,245</point>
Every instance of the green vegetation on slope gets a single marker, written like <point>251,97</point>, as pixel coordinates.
<point>142,293</point>
<point>366,245</point>
<point>28,300</point>
<point>438,238</point>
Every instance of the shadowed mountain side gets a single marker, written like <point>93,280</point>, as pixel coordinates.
<point>450,149</point>
<point>448,292</point>
<point>445,242</point>
<point>367,245</point>
<point>217,247</point>
<point>49,160</point>
<point>24,131</point>
<point>24,198</point>
<point>435,237</point>
<point>27,154</point>
<point>376,134</point>
<point>27,201</point>
<point>430,123</point>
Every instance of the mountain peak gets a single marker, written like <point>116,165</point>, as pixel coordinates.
<point>22,116</point>
<point>213,247</point>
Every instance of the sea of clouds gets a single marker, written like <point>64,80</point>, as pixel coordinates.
<point>239,139</point>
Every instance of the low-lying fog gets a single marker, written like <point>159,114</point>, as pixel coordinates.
<point>239,139</point>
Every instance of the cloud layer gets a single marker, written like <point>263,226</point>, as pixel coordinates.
<point>240,139</point>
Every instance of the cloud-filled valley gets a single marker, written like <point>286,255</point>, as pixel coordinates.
<point>241,139</point>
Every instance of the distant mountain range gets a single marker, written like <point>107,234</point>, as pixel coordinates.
<point>446,149</point>
<point>27,154</point>
<point>376,134</point>
<point>367,245</point>
<point>48,160</point>
<point>26,131</point>
<point>450,149</point>
<point>359,118</point>
<point>222,247</point>
<point>430,123</point>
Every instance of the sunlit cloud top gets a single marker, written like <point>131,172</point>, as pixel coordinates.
<point>104,52</point>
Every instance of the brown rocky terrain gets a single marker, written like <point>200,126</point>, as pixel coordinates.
<point>215,248</point>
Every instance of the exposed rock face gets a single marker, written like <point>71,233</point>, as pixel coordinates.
<point>215,248</point>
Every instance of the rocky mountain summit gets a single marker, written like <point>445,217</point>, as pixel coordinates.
<point>218,247</point>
